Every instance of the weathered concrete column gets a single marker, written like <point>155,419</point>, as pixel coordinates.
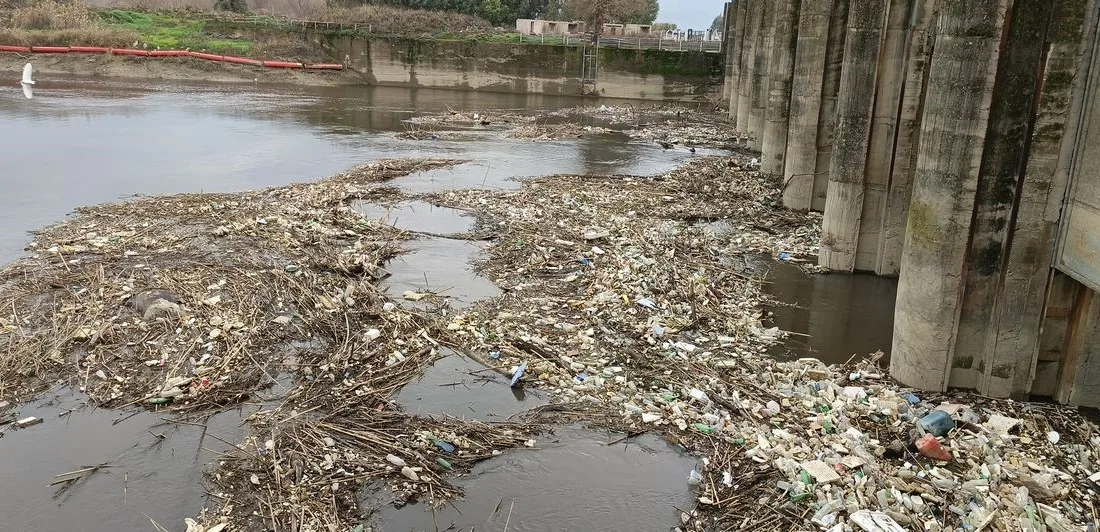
<point>880,154</point>
<point>759,95</point>
<point>960,86</point>
<point>830,94</point>
<point>1020,303</point>
<point>1004,163</point>
<point>780,64</point>
<point>753,16</point>
<point>918,52</point>
<point>847,169</point>
<point>736,43</point>
<point>806,83</point>
<point>727,77</point>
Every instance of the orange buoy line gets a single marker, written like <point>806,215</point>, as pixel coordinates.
<point>167,53</point>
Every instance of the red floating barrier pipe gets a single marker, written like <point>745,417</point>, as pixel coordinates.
<point>282,64</point>
<point>168,53</point>
<point>242,61</point>
<point>208,57</point>
<point>89,49</point>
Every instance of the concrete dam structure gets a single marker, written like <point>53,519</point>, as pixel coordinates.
<point>948,143</point>
<point>665,75</point>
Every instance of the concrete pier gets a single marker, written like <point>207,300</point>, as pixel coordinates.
<point>947,143</point>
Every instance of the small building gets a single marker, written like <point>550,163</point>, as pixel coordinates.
<point>614,30</point>
<point>628,30</point>
<point>528,26</point>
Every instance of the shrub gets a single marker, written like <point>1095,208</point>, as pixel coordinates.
<point>401,21</point>
<point>52,15</point>
<point>236,6</point>
<point>108,37</point>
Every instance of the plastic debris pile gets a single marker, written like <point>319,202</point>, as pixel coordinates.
<point>309,459</point>
<point>185,301</point>
<point>619,300</point>
<point>194,302</point>
<point>470,118</point>
<point>556,131</point>
<point>626,298</point>
<point>668,125</point>
<point>435,134</point>
<point>856,452</point>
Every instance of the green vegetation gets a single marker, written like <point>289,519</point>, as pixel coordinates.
<point>390,20</point>
<point>505,12</point>
<point>170,31</point>
<point>497,12</point>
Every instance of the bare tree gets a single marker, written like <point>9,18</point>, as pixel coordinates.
<point>600,12</point>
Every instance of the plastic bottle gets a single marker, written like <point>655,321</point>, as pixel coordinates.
<point>936,423</point>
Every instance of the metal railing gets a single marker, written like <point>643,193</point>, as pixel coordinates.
<point>655,43</point>
<point>634,43</point>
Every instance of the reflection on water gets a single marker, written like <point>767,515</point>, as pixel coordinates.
<point>441,266</point>
<point>459,387</point>
<point>843,314</point>
<point>148,477</point>
<point>417,216</point>
<point>89,141</point>
<point>573,481</point>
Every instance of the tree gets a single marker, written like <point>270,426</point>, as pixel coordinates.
<point>719,23</point>
<point>599,12</point>
<point>664,26</point>
<point>493,11</point>
<point>555,10</point>
<point>237,6</point>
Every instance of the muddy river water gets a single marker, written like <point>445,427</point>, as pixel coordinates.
<point>87,141</point>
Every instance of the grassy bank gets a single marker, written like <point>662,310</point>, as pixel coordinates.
<point>68,23</point>
<point>61,22</point>
<point>174,31</point>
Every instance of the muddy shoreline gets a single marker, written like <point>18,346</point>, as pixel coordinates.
<point>169,68</point>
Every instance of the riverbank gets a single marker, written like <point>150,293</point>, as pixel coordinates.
<point>169,68</point>
<point>426,50</point>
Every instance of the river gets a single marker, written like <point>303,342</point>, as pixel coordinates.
<point>87,141</point>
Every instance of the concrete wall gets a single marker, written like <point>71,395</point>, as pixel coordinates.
<point>541,69</point>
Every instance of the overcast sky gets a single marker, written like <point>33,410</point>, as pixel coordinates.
<point>690,14</point>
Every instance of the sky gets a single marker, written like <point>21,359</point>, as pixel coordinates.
<point>690,14</point>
